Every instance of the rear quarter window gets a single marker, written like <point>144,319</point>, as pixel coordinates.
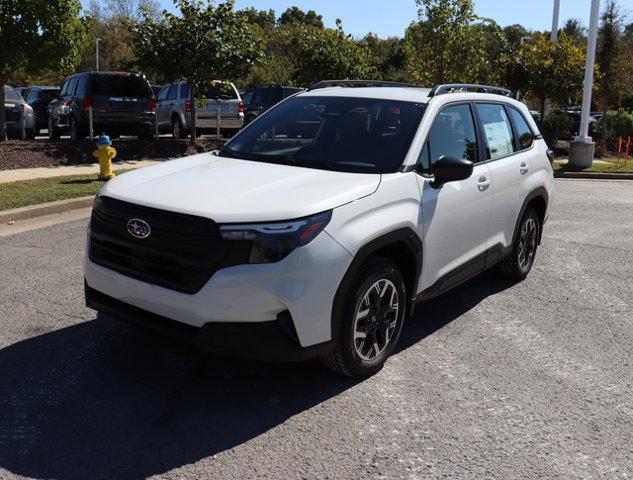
<point>222,91</point>
<point>11,94</point>
<point>120,85</point>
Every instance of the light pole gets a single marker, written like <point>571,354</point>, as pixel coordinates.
<point>97,52</point>
<point>554,37</point>
<point>582,147</point>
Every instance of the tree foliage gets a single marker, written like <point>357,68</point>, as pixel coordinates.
<point>37,35</point>
<point>296,16</point>
<point>447,44</point>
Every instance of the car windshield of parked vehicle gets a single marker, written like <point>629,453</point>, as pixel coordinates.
<point>363,135</point>
<point>11,94</point>
<point>120,85</point>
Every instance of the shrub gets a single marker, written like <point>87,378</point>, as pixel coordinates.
<point>554,126</point>
<point>616,124</point>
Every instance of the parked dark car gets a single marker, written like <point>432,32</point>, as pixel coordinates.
<point>259,99</point>
<point>122,103</point>
<point>39,98</point>
<point>20,121</point>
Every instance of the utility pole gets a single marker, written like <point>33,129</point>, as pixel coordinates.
<point>554,36</point>
<point>582,147</point>
<point>97,52</point>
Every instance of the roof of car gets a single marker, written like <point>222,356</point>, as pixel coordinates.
<point>405,94</point>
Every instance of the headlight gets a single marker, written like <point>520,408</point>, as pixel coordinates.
<point>273,241</point>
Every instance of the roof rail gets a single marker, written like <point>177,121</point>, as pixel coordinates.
<point>360,83</point>
<point>465,87</point>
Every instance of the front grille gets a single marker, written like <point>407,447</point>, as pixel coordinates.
<point>12,115</point>
<point>181,253</point>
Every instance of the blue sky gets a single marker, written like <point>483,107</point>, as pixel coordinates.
<point>391,17</point>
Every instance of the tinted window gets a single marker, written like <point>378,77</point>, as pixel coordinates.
<point>71,86</point>
<point>163,93</point>
<point>524,133</point>
<point>33,95</point>
<point>172,92</point>
<point>453,135</point>
<point>334,133</point>
<point>121,85</point>
<point>64,88</point>
<point>11,94</point>
<point>184,90</point>
<point>221,91</point>
<point>82,85</point>
<point>247,97</point>
<point>497,129</point>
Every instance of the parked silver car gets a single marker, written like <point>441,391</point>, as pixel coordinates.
<point>173,109</point>
<point>20,121</point>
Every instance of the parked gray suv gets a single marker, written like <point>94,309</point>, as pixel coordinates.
<point>173,109</point>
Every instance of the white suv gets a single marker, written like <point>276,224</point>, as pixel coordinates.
<point>317,229</point>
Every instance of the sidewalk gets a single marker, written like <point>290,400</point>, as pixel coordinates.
<point>49,172</point>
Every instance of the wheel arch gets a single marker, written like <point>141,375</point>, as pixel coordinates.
<point>539,200</point>
<point>403,247</point>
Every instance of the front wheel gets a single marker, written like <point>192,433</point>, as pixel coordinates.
<point>516,266</point>
<point>372,320</point>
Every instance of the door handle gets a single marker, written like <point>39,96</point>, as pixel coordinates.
<point>524,168</point>
<point>483,183</point>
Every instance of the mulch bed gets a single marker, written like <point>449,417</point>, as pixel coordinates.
<point>45,153</point>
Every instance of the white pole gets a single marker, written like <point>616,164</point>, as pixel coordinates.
<point>97,53</point>
<point>554,37</point>
<point>583,135</point>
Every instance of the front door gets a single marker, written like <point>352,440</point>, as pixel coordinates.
<point>455,218</point>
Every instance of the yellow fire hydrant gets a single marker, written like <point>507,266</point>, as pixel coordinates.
<point>105,152</point>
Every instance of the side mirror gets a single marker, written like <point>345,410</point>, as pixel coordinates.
<point>451,169</point>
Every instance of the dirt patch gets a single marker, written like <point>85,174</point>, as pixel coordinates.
<point>45,153</point>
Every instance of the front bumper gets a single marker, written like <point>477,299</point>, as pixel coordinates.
<point>303,285</point>
<point>272,340</point>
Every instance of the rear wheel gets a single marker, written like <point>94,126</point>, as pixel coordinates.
<point>516,266</point>
<point>177,130</point>
<point>372,320</point>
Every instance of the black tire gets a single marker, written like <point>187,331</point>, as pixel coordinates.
<point>30,134</point>
<point>516,266</point>
<point>346,358</point>
<point>76,133</point>
<point>177,130</point>
<point>53,131</point>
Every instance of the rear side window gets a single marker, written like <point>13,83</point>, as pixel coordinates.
<point>120,85</point>
<point>162,94</point>
<point>525,137</point>
<point>452,135</point>
<point>71,86</point>
<point>81,85</point>
<point>172,92</point>
<point>184,91</point>
<point>497,129</point>
<point>11,94</point>
<point>33,96</point>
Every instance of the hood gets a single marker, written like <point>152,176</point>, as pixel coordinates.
<point>228,190</point>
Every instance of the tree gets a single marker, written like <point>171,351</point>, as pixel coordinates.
<point>608,53</point>
<point>548,70</point>
<point>387,55</point>
<point>205,42</point>
<point>266,20</point>
<point>296,16</point>
<point>574,29</point>
<point>35,35</point>
<point>447,44</point>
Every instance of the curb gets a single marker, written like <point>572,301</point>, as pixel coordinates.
<point>34,211</point>
<point>594,176</point>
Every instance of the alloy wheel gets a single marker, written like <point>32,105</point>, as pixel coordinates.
<point>527,244</point>
<point>375,319</point>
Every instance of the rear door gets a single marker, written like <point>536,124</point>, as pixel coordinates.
<point>509,167</point>
<point>119,95</point>
<point>165,104</point>
<point>456,217</point>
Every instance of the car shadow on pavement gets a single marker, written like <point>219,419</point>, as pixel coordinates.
<point>100,399</point>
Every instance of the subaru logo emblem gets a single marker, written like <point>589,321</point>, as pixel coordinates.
<point>138,228</point>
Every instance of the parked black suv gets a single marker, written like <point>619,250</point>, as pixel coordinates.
<point>259,99</point>
<point>39,98</point>
<point>122,104</point>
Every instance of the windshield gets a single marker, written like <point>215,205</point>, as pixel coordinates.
<point>11,94</point>
<point>363,135</point>
<point>132,85</point>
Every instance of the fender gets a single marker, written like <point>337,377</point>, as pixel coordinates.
<point>536,193</point>
<point>403,235</point>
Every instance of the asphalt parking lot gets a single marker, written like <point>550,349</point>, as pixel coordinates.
<point>491,381</point>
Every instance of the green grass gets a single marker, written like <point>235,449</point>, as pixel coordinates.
<point>42,190</point>
<point>610,165</point>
